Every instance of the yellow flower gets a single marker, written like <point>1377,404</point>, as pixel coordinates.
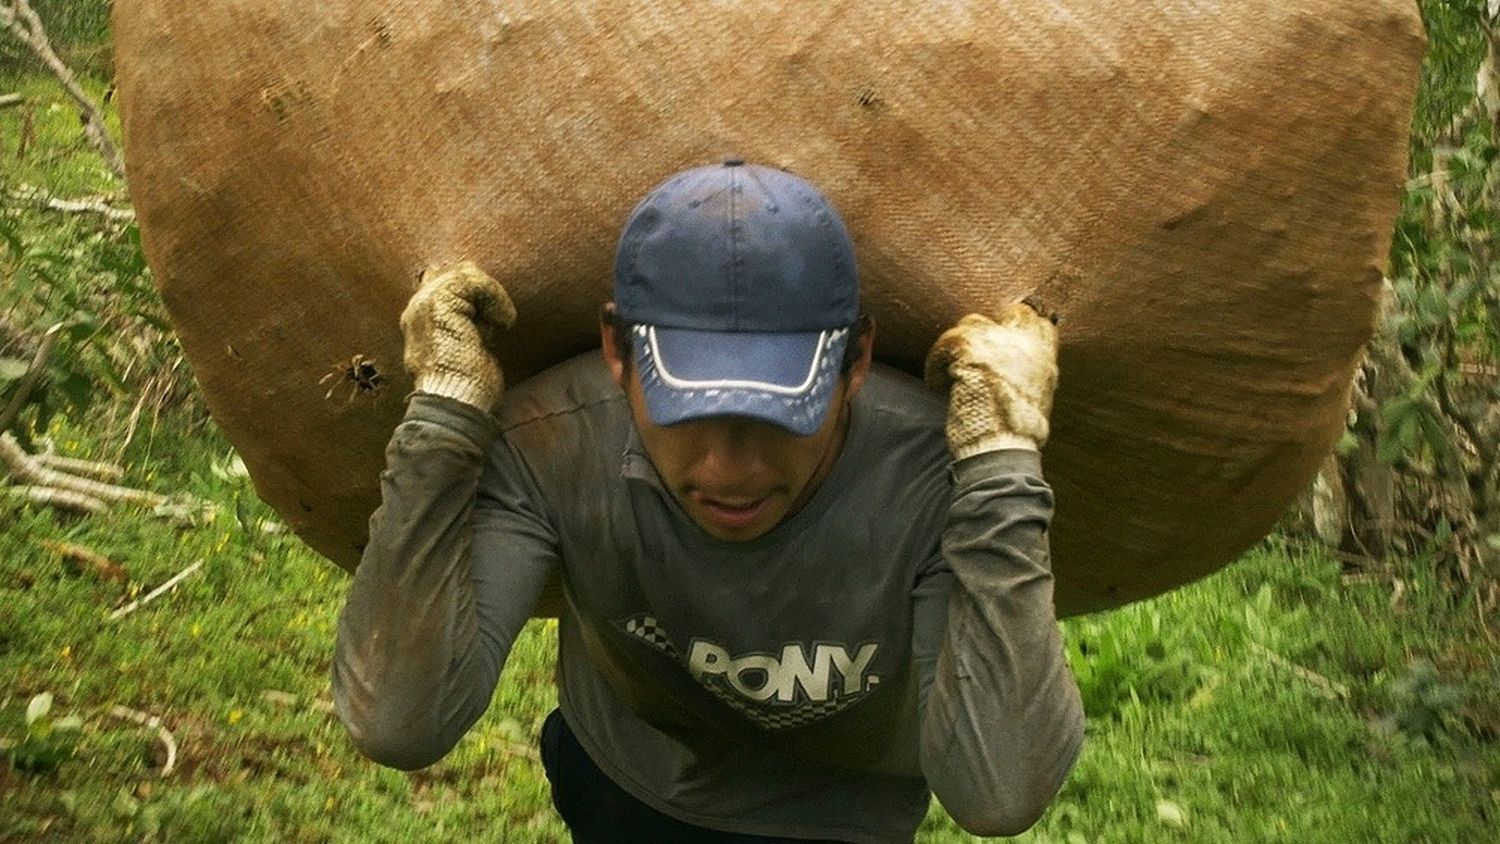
<point>235,715</point>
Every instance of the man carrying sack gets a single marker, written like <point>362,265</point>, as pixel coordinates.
<point>795,608</point>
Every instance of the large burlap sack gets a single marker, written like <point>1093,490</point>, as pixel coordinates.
<point>1202,190</point>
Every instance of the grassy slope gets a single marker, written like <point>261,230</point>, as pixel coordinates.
<point>1250,703</point>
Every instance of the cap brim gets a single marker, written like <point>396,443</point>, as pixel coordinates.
<point>784,379</point>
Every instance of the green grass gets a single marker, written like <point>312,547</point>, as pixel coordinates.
<point>49,149</point>
<point>1261,704</point>
<point>259,618</point>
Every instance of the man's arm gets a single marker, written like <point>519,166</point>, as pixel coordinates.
<point>1002,722</point>
<point>456,556</point>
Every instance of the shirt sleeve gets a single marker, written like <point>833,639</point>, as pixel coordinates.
<point>1002,722</point>
<point>457,556</point>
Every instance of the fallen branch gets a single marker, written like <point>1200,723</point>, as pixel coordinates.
<point>91,206</point>
<point>155,593</point>
<point>130,426</point>
<point>59,498</point>
<point>83,205</point>
<point>24,24</point>
<point>280,698</point>
<point>11,100</point>
<point>151,722</point>
<point>33,374</point>
<point>516,748</point>
<point>271,605</point>
<point>98,563</point>
<point>74,466</point>
<point>27,470</point>
<point>1325,687</point>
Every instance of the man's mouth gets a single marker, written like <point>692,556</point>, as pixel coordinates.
<point>731,513</point>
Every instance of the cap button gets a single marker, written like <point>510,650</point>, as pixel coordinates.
<point>734,162</point>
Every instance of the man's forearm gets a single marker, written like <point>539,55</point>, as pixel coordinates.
<point>1003,722</point>
<point>410,675</point>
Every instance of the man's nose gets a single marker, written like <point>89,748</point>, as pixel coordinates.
<point>732,446</point>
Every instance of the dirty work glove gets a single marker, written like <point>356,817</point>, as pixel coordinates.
<point>1001,376</point>
<point>450,325</point>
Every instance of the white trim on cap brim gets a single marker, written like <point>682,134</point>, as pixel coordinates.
<point>824,338</point>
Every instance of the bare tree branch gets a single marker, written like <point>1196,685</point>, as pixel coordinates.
<point>25,469</point>
<point>87,468</point>
<point>59,498</point>
<point>23,23</point>
<point>28,381</point>
<point>88,559</point>
<point>156,593</point>
<point>83,205</point>
<point>151,722</point>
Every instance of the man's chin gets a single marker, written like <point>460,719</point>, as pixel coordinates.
<point>735,536</point>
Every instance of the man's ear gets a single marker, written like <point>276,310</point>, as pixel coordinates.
<point>610,343</point>
<point>861,368</point>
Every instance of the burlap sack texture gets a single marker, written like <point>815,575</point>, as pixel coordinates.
<point>1203,191</point>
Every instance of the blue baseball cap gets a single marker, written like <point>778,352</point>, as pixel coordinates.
<point>741,285</point>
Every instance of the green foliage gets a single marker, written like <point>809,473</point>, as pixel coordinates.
<point>48,739</point>
<point>91,286</point>
<point>80,272</point>
<point>1439,351</point>
<point>1455,47</point>
<point>1128,662</point>
<point>1424,705</point>
<point>79,30</point>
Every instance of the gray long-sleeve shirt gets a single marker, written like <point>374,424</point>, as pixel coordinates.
<point>893,636</point>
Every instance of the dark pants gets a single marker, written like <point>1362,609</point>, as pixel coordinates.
<point>599,812</point>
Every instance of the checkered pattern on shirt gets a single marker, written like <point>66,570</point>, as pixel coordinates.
<point>645,628</point>
<point>784,716</point>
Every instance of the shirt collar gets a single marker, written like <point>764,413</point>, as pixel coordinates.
<point>635,465</point>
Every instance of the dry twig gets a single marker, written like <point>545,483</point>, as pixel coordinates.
<point>33,374</point>
<point>27,470</point>
<point>280,698</point>
<point>91,559</point>
<point>59,498</point>
<point>11,100</point>
<point>150,722</point>
<point>87,468</point>
<point>83,205</point>
<point>1322,685</point>
<point>155,593</point>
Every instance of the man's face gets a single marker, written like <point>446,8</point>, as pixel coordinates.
<point>735,477</point>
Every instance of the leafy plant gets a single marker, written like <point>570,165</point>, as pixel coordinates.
<point>1423,704</point>
<point>1428,404</point>
<point>49,740</point>
<point>88,282</point>
<point>1117,665</point>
